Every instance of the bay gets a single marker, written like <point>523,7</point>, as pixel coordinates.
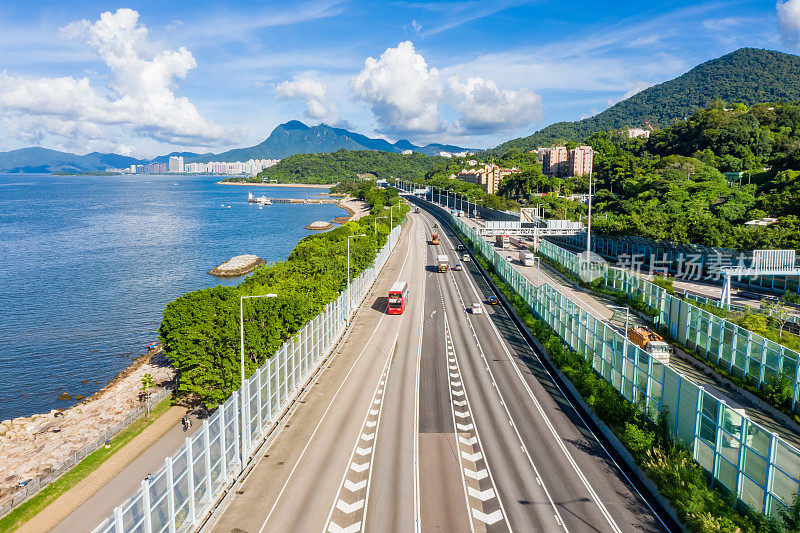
<point>88,263</point>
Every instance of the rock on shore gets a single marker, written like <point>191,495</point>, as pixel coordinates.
<point>237,266</point>
<point>32,445</point>
<point>319,225</point>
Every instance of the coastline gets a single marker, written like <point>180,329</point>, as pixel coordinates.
<point>36,445</point>
<point>299,185</point>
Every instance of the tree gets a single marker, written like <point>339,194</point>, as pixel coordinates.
<point>779,312</point>
<point>148,383</point>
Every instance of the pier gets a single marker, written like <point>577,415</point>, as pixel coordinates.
<point>263,200</point>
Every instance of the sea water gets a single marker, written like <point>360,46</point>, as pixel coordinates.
<point>88,263</point>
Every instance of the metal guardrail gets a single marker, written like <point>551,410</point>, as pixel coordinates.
<point>33,486</point>
<point>192,478</point>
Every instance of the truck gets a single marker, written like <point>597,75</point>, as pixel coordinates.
<point>651,343</point>
<point>435,238</point>
<point>501,241</point>
<point>526,258</point>
<point>442,262</point>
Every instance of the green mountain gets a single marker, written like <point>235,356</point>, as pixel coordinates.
<point>37,159</point>
<point>748,76</point>
<point>294,137</point>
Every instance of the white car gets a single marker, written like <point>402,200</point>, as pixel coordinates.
<point>477,308</point>
<point>465,257</point>
<point>509,258</point>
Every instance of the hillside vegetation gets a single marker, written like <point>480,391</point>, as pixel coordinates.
<point>671,186</point>
<point>748,76</point>
<point>345,165</point>
<point>200,329</point>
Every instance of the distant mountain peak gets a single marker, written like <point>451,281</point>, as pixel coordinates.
<point>294,125</point>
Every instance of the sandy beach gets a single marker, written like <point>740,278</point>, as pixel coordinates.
<point>301,185</point>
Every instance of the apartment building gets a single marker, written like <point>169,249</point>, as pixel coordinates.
<point>487,177</point>
<point>558,161</point>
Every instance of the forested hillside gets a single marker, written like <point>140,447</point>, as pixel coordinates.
<point>343,165</point>
<point>671,186</point>
<point>748,76</point>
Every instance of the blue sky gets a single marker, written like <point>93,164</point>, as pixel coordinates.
<point>146,78</point>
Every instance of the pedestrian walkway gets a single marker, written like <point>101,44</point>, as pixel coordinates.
<point>90,501</point>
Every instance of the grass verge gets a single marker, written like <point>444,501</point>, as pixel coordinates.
<point>90,463</point>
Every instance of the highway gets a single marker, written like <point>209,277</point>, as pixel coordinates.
<point>436,419</point>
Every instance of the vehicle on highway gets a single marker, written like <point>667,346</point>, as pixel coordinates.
<point>509,259</point>
<point>442,263</point>
<point>460,248</point>
<point>476,308</point>
<point>526,258</point>
<point>435,238</point>
<point>465,257</point>
<point>502,241</point>
<point>650,342</point>
<point>460,213</point>
<point>398,297</point>
<point>492,300</point>
<point>435,225</point>
<point>416,210</point>
<point>457,266</point>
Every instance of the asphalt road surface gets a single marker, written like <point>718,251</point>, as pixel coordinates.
<point>436,419</point>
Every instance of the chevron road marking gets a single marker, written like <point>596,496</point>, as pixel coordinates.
<point>371,423</point>
<point>477,456</point>
<point>354,528</point>
<point>465,427</point>
<point>467,441</point>
<point>355,487</point>
<point>460,403</point>
<point>367,436</point>
<point>359,468</point>
<point>363,451</point>
<point>490,518</point>
<point>461,414</point>
<point>349,508</point>
<point>481,495</point>
<point>479,475</point>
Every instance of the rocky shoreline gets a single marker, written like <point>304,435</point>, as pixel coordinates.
<point>33,446</point>
<point>237,266</point>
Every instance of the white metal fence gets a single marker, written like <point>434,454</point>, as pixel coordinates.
<point>184,489</point>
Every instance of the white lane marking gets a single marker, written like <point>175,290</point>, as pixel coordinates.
<point>348,508</point>
<point>355,487</point>
<point>368,437</point>
<point>600,505</point>
<point>558,439</point>
<point>467,441</point>
<point>417,497</point>
<point>359,467</point>
<point>465,427</point>
<point>479,475</point>
<point>354,528</point>
<point>477,456</point>
<point>502,401</point>
<point>481,495</point>
<point>490,518</point>
<point>330,404</point>
<point>363,451</point>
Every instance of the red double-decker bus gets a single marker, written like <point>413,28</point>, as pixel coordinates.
<point>398,296</point>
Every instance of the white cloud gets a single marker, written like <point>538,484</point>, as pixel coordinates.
<point>638,87</point>
<point>313,92</point>
<point>484,108</point>
<point>403,92</point>
<point>789,21</point>
<point>140,97</point>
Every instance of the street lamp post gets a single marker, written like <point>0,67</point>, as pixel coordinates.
<point>244,396</point>
<point>589,221</point>
<point>349,299</point>
<point>627,316</point>
<point>376,223</point>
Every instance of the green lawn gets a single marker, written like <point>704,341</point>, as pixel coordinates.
<point>49,494</point>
